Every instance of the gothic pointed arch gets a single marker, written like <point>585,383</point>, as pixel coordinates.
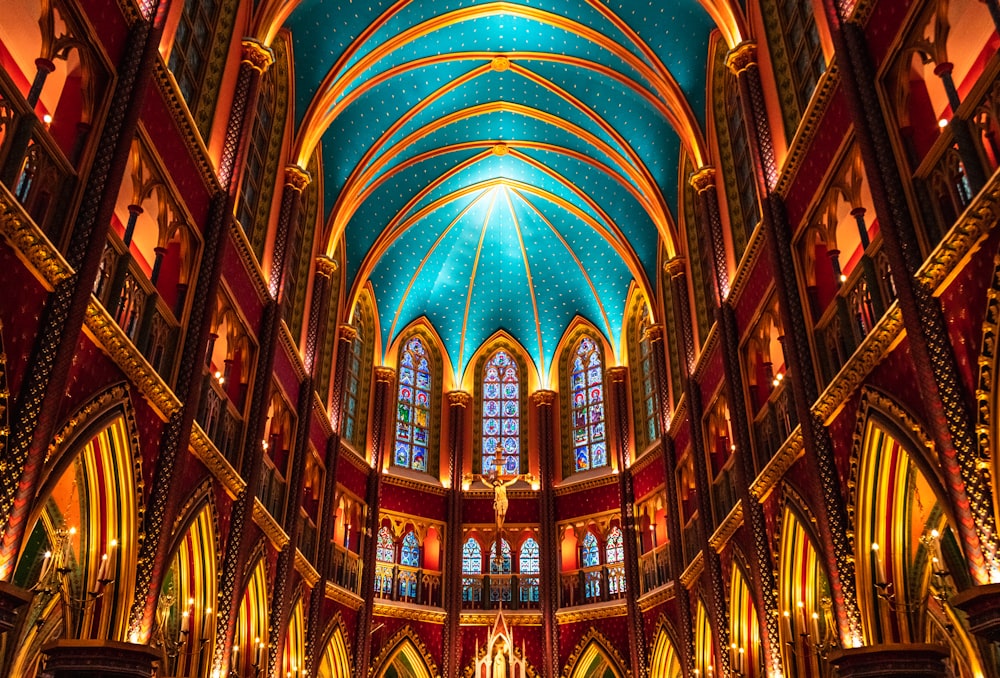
<point>250,639</point>
<point>84,524</point>
<point>746,656</point>
<point>642,372</point>
<point>357,384</point>
<point>583,358</point>
<point>335,661</point>
<point>594,657</point>
<point>294,652</point>
<point>665,661</point>
<point>501,376</point>
<point>405,655</point>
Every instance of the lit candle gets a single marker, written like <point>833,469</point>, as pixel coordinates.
<point>788,625</point>
<point>260,651</point>
<point>815,627</point>
<point>102,571</point>
<point>879,569</point>
<point>235,655</point>
<point>802,614</point>
<point>740,657</point>
<point>185,621</point>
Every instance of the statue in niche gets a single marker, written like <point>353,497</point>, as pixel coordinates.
<point>499,669</point>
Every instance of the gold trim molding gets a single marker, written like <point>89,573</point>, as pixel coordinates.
<point>693,571</point>
<point>302,565</point>
<point>782,460</point>
<point>728,528</point>
<point>575,615</point>
<point>419,613</point>
<point>266,522</point>
<point>30,244</point>
<point>657,596</point>
<point>343,596</point>
<point>476,618</point>
<point>209,455</point>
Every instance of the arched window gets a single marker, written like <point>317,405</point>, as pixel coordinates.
<point>646,404</point>
<point>614,550</point>
<point>353,386</point>
<point>590,553</point>
<point>796,54</point>
<point>413,413</point>
<point>192,48</point>
<point>501,413</point>
<point>385,551</point>
<point>587,386</point>
<point>528,564</point>
<point>500,587</point>
<point>746,188</point>
<point>410,553</point>
<point>472,564</point>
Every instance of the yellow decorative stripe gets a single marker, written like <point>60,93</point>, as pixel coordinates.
<point>269,525</point>
<point>214,461</point>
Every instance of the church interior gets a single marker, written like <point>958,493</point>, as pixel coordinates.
<point>499,338</point>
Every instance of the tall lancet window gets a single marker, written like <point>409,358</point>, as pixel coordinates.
<point>413,414</point>
<point>501,413</point>
<point>590,444</point>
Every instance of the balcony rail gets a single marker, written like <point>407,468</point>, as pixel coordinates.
<point>407,584</point>
<point>594,584</point>
<point>33,165</point>
<point>344,568</point>
<point>221,421</point>
<point>724,492</point>
<point>130,297</point>
<point>691,539</point>
<point>773,424</point>
<point>487,591</point>
<point>654,569</point>
<point>307,536</point>
<point>856,309</point>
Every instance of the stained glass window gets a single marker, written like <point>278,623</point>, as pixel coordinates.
<point>527,561</point>
<point>646,374</point>
<point>385,550</point>
<point>500,587</point>
<point>614,549</point>
<point>501,413</point>
<point>590,554</point>
<point>590,444</point>
<point>472,564</point>
<point>352,387</point>
<point>413,412</point>
<point>410,553</point>
<point>192,43</point>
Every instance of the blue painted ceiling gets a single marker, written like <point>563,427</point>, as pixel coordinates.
<point>511,193</point>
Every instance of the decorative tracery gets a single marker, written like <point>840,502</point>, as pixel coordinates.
<point>472,567</point>
<point>385,551</point>
<point>410,552</point>
<point>587,386</point>
<point>413,407</point>
<point>528,564</point>
<point>501,412</point>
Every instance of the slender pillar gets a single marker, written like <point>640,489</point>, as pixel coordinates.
<point>237,544</point>
<point>347,335</point>
<point>831,511</point>
<point>619,381</point>
<point>717,607</point>
<point>761,562</point>
<point>675,537</point>
<point>458,407</point>
<point>931,351</point>
<point>544,402</point>
<point>38,405</point>
<point>385,378</point>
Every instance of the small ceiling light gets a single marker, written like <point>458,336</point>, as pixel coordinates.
<point>942,123</point>
<point>843,278</point>
<point>47,119</point>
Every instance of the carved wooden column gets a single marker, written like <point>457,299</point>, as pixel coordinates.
<point>822,475</point>
<point>544,402</point>
<point>281,603</point>
<point>458,407</point>
<point>38,405</point>
<point>237,545</point>
<point>761,562</point>
<point>717,608</point>
<point>347,335</point>
<point>675,537</point>
<point>385,378</point>
<point>619,381</point>
<point>931,351</point>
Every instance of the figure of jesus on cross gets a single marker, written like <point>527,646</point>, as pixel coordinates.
<point>499,481</point>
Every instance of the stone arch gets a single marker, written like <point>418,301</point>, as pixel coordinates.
<point>405,655</point>
<point>594,657</point>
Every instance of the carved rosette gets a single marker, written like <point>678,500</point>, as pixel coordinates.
<point>256,54</point>
<point>742,57</point>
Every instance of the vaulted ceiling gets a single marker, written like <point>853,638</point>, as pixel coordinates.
<point>500,165</point>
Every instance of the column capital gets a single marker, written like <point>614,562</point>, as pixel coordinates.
<point>703,179</point>
<point>653,333</point>
<point>675,267</point>
<point>256,54</point>
<point>297,178</point>
<point>742,57</point>
<point>459,399</point>
<point>617,373</point>
<point>347,332</point>
<point>384,374</point>
<point>325,266</point>
<point>542,397</point>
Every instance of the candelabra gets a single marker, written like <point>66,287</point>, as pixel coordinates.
<point>183,641</point>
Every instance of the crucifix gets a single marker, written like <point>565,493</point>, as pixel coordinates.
<point>499,481</point>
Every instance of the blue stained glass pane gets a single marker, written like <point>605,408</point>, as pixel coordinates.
<point>510,466</point>
<point>472,560</point>
<point>385,550</point>
<point>594,375</point>
<point>510,391</point>
<point>580,419</point>
<point>579,399</point>
<point>599,455</point>
<point>596,413</point>
<point>406,376</point>
<point>597,432</point>
<point>422,365</point>
<point>577,381</point>
<point>596,394</point>
<point>582,459</point>
<point>510,445</point>
<point>491,391</point>
<point>491,427</point>
<point>492,374</point>
<point>491,408</point>
<point>403,413</point>
<point>420,436</point>
<point>406,393</point>
<point>595,360</point>
<point>510,408</point>
<point>407,360</point>
<point>423,399</point>
<point>402,454</point>
<point>589,551</point>
<point>501,358</point>
<point>586,345</point>
<point>419,459</point>
<point>402,431</point>
<point>651,429</point>
<point>580,436</point>
<point>410,553</point>
<point>424,381</point>
<point>510,427</point>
